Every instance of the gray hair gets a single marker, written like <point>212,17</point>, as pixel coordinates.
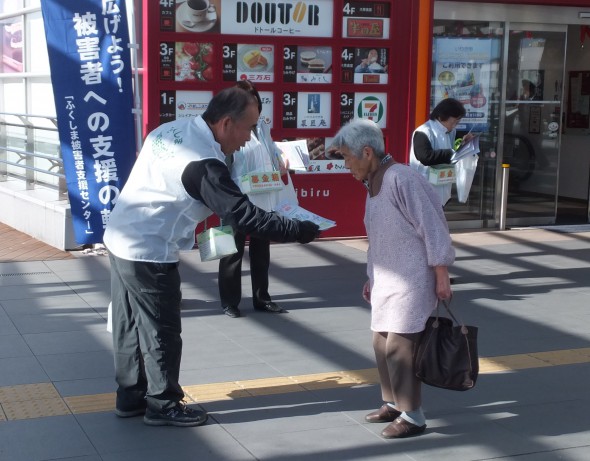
<point>358,134</point>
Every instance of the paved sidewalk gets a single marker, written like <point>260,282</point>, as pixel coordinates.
<point>295,387</point>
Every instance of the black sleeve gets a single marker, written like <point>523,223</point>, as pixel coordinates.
<point>426,154</point>
<point>209,181</point>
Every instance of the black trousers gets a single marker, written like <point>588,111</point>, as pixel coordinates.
<point>146,333</point>
<point>230,272</point>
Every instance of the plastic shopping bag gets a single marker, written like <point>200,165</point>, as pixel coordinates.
<point>465,171</point>
<point>287,195</point>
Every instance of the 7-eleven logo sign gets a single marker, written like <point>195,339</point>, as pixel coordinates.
<point>370,108</point>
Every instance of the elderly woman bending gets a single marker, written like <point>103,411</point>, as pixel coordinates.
<point>410,249</point>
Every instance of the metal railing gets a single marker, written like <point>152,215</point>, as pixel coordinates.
<point>30,151</point>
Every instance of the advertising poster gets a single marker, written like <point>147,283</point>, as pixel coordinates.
<point>248,62</point>
<point>372,106</point>
<point>307,64</point>
<point>322,161</point>
<point>179,104</point>
<point>307,110</point>
<point>314,110</point>
<point>189,15</point>
<point>365,65</point>
<point>462,71</point>
<point>88,47</point>
<point>366,20</point>
<point>186,61</point>
<point>249,17</point>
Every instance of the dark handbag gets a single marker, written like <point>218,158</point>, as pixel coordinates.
<point>446,355</point>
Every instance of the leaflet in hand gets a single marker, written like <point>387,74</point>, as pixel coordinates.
<point>290,211</point>
<point>471,147</point>
<point>296,154</point>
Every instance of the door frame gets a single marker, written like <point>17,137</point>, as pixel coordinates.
<point>546,17</point>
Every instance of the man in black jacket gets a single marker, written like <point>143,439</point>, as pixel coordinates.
<point>180,177</point>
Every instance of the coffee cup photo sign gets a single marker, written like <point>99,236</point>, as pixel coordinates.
<point>197,15</point>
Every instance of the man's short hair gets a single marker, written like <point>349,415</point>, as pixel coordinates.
<point>230,102</point>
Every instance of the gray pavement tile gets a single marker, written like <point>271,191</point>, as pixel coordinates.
<point>59,322</point>
<point>229,450</point>
<point>571,381</point>
<point>23,267</point>
<point>89,386</point>
<point>6,325</point>
<point>222,374</point>
<point>21,370</point>
<point>568,260</point>
<point>92,267</point>
<point>126,439</point>
<point>33,290</point>
<point>13,346</point>
<point>561,424</point>
<point>466,437</point>
<point>266,409</point>
<point>45,278</point>
<point>343,318</point>
<point>99,299</point>
<point>67,302</point>
<point>493,392</point>
<point>58,437</point>
<point>313,362</point>
<point>272,423</point>
<point>69,341</point>
<point>563,454</point>
<point>324,443</point>
<point>62,367</point>
<point>227,354</point>
<point>86,458</point>
<point>319,364</point>
<point>202,330</point>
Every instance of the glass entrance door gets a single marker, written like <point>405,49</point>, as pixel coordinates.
<point>532,124</point>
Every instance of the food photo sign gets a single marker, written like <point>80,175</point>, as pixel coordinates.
<point>248,62</point>
<point>307,64</point>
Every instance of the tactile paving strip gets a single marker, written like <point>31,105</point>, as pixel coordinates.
<point>31,401</point>
<point>40,400</point>
<point>91,403</point>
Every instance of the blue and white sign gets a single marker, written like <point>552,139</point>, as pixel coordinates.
<point>91,74</point>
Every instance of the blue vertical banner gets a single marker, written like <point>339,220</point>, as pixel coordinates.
<point>89,57</point>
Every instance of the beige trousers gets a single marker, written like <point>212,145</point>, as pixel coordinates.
<point>394,354</point>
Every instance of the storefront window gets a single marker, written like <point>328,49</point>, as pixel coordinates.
<point>466,66</point>
<point>11,46</point>
<point>13,96</point>
<point>10,6</point>
<point>37,58</point>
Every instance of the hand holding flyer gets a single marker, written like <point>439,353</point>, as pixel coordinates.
<point>470,147</point>
<point>296,212</point>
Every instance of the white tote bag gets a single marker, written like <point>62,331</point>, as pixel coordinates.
<point>465,171</point>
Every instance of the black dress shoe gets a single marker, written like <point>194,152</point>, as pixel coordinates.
<point>232,311</point>
<point>269,307</point>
